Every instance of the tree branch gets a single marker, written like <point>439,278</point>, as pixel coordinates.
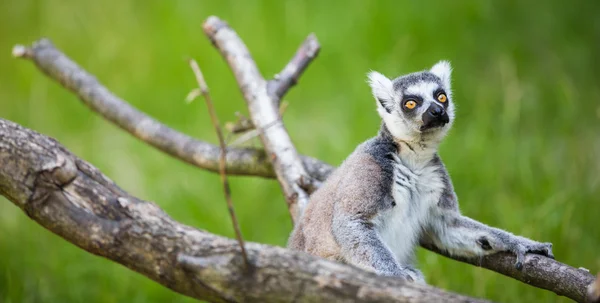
<point>295,182</point>
<point>240,161</point>
<point>288,77</point>
<point>74,200</point>
<point>538,271</point>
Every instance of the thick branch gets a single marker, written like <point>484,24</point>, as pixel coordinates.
<point>240,161</point>
<point>538,271</point>
<point>264,112</point>
<point>74,200</point>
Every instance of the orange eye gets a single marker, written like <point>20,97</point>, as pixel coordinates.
<point>442,98</point>
<point>410,104</point>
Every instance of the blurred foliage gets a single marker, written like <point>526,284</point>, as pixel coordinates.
<point>523,153</point>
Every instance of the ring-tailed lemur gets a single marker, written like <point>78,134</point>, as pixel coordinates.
<point>393,191</point>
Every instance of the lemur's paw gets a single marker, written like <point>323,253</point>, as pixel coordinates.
<point>544,249</point>
<point>521,249</point>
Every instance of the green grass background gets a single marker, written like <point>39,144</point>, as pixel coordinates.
<point>523,154</point>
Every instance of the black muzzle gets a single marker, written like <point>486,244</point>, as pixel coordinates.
<point>434,116</point>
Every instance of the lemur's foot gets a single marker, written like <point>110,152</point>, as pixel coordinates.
<point>520,249</point>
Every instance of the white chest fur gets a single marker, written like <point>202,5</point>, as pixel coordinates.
<point>415,191</point>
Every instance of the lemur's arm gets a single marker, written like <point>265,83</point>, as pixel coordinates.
<point>361,195</point>
<point>463,236</point>
<point>361,245</point>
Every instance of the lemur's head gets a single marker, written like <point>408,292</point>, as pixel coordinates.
<point>417,106</point>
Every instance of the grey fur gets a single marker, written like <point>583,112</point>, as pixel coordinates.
<point>393,192</point>
<point>403,82</point>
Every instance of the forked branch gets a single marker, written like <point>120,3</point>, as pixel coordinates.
<point>295,182</point>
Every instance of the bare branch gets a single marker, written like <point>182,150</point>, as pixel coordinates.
<point>240,161</point>
<point>293,178</point>
<point>73,199</point>
<point>227,190</point>
<point>538,271</point>
<point>288,77</point>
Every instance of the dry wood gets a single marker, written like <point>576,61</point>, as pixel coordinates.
<point>295,182</point>
<point>240,161</point>
<point>76,201</point>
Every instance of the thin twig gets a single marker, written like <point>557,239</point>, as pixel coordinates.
<point>250,134</point>
<point>243,124</point>
<point>226,189</point>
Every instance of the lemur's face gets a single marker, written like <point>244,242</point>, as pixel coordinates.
<point>416,105</point>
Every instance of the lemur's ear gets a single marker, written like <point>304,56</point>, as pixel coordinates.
<point>382,90</point>
<point>443,70</point>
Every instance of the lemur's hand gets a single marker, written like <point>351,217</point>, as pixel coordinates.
<point>524,246</point>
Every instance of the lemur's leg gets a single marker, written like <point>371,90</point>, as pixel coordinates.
<point>463,236</point>
<point>361,245</point>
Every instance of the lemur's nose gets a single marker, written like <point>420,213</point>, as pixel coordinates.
<point>436,110</point>
<point>435,116</point>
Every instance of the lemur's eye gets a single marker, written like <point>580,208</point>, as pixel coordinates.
<point>442,97</point>
<point>410,104</point>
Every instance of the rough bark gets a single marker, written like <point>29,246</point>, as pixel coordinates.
<point>73,199</point>
<point>538,271</point>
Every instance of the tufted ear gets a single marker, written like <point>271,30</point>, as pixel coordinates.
<point>382,90</point>
<point>443,70</point>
